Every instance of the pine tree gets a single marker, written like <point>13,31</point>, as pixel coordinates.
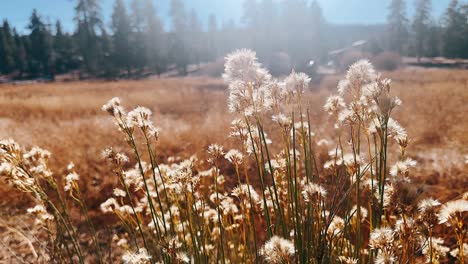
<point>139,27</point>
<point>107,63</point>
<point>212,49</point>
<point>250,17</point>
<point>434,41</point>
<point>195,35</point>
<point>7,49</point>
<point>155,39</point>
<point>398,26</point>
<point>41,46</point>
<point>121,38</point>
<point>88,19</point>
<point>421,24</point>
<point>455,24</point>
<point>464,12</point>
<point>295,21</point>
<point>20,54</point>
<point>268,23</point>
<point>179,42</point>
<point>316,25</point>
<point>251,20</point>
<point>61,50</point>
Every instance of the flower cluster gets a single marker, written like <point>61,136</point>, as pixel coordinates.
<point>277,201</point>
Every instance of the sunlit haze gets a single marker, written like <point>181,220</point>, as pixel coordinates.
<point>336,11</point>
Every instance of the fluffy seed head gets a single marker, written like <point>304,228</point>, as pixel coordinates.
<point>381,238</point>
<point>139,117</point>
<point>334,104</point>
<point>297,83</point>
<point>361,72</point>
<point>277,250</point>
<point>42,216</point>
<point>242,192</point>
<point>113,107</point>
<point>313,191</point>
<point>453,211</point>
<point>348,260</point>
<point>242,65</point>
<point>428,205</point>
<point>140,257</point>
<point>402,167</point>
<point>438,248</point>
<point>234,156</point>
<point>70,180</point>
<point>215,150</point>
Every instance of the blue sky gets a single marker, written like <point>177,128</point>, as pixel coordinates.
<point>336,11</point>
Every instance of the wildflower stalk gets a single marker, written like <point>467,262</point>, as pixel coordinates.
<point>192,233</point>
<point>252,211</point>
<point>69,230</point>
<point>131,141</point>
<point>221,228</point>
<point>62,215</point>
<point>280,209</point>
<point>153,168</point>
<point>244,211</point>
<point>383,170</point>
<point>164,190</point>
<point>138,220</point>
<point>79,200</point>
<point>460,235</point>
<point>296,195</point>
<point>260,174</point>
<point>142,173</point>
<point>355,144</point>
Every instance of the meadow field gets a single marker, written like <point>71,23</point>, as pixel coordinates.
<point>66,119</point>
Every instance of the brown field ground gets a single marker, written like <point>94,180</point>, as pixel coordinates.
<point>66,119</point>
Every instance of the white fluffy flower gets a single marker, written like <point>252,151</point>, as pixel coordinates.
<point>251,89</point>
<point>452,211</point>
<point>381,237</point>
<point>140,257</point>
<point>114,107</point>
<point>41,214</point>
<point>437,246</point>
<point>242,65</point>
<point>277,250</point>
<point>312,190</point>
<point>119,192</point>
<point>348,260</point>
<point>245,191</point>
<point>139,117</point>
<point>385,257</point>
<point>456,252</point>
<point>109,205</point>
<point>364,212</point>
<point>215,150</point>
<point>70,179</point>
<point>297,83</point>
<point>282,120</point>
<point>234,156</point>
<point>336,226</point>
<point>334,104</point>
<point>402,167</point>
<point>361,72</point>
<point>427,204</point>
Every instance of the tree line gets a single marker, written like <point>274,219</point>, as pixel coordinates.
<point>134,41</point>
<point>425,35</point>
<point>132,44</point>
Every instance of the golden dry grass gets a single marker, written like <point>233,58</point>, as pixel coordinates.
<point>66,119</point>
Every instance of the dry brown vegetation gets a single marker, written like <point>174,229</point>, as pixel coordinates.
<point>66,119</point>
